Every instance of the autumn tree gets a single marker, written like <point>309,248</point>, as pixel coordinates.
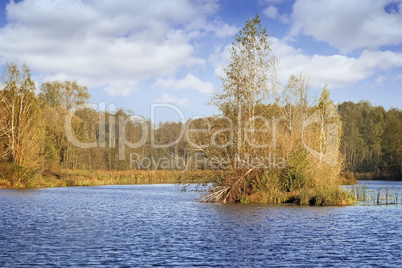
<point>56,99</point>
<point>19,115</point>
<point>250,79</point>
<point>295,100</point>
<point>66,94</point>
<point>20,122</point>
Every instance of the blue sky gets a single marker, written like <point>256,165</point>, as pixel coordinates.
<point>135,53</point>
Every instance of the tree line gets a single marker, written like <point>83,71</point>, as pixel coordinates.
<point>371,140</point>
<point>33,137</point>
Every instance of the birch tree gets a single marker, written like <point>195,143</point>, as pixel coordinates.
<point>19,116</point>
<point>295,100</point>
<point>250,80</point>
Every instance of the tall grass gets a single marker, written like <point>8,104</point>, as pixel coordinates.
<point>66,178</point>
<point>378,196</point>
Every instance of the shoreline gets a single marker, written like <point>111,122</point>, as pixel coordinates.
<point>72,178</point>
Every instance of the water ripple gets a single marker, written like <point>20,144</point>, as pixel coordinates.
<point>159,225</point>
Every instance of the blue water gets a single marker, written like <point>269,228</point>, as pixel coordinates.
<point>159,225</point>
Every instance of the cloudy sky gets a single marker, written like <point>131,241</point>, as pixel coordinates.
<point>135,53</point>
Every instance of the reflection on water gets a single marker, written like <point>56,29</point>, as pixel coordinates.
<point>144,225</point>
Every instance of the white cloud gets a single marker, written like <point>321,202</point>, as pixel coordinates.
<point>336,70</point>
<point>219,28</point>
<point>123,87</point>
<point>166,98</point>
<point>273,1</point>
<point>349,25</point>
<point>190,82</point>
<point>110,44</point>
<point>398,77</point>
<point>220,58</point>
<point>380,80</point>
<point>271,12</point>
<point>225,30</point>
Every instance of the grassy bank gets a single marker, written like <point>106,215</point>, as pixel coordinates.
<point>66,178</point>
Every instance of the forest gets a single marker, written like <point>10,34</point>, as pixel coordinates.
<point>36,142</point>
<point>371,140</point>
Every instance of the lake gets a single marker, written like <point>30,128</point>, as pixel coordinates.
<point>160,225</point>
